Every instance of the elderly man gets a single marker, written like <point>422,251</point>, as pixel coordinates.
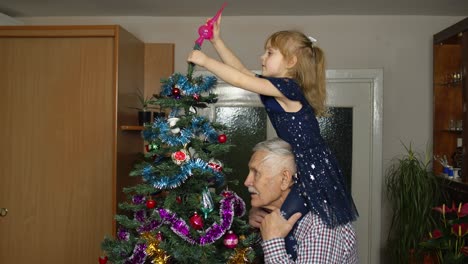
<point>271,174</point>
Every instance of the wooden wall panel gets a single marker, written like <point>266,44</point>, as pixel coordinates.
<point>56,159</point>
<point>159,63</point>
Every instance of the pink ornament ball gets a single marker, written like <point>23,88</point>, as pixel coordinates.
<point>230,240</point>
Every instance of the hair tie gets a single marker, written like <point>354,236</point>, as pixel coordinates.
<point>313,40</point>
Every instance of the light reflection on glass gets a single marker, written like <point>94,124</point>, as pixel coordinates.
<point>246,126</point>
<point>337,131</point>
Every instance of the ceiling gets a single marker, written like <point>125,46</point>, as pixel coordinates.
<point>207,8</point>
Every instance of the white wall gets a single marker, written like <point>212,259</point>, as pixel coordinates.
<point>401,45</point>
<point>8,21</point>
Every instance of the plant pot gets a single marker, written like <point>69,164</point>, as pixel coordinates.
<point>431,258</point>
<point>144,117</point>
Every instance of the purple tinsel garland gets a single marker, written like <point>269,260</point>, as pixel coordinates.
<point>230,205</point>
<point>138,256</point>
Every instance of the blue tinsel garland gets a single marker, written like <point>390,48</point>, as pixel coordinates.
<point>162,130</point>
<point>198,85</point>
<point>186,170</point>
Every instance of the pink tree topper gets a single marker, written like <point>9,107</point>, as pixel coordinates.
<point>206,31</point>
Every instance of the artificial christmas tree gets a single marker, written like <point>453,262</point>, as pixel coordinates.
<point>182,211</point>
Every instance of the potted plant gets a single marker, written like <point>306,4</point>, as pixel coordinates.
<point>410,189</point>
<point>448,241</point>
<point>144,112</point>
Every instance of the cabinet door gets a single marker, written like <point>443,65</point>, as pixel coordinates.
<point>56,159</point>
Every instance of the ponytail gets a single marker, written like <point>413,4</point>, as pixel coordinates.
<point>309,70</point>
<point>314,84</point>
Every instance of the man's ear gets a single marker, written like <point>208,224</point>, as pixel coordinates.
<point>286,179</point>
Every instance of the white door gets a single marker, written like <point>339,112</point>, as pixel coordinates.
<point>355,100</point>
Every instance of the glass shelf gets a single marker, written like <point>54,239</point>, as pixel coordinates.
<point>453,130</point>
<point>450,84</point>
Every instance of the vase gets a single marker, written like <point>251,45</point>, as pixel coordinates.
<point>144,117</point>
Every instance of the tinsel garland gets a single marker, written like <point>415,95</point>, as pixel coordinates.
<point>240,256</point>
<point>229,206</point>
<point>186,170</point>
<point>197,85</point>
<point>199,125</point>
<point>139,254</point>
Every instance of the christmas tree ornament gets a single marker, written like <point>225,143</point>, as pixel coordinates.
<point>152,249</point>
<point>178,200</point>
<point>175,91</point>
<point>196,221</point>
<point>222,138</point>
<point>192,110</point>
<point>207,205</point>
<point>180,156</point>
<point>159,236</point>
<point>229,207</point>
<point>151,146</point>
<point>173,124</point>
<point>193,153</point>
<point>230,240</point>
<point>103,259</point>
<point>216,165</point>
<point>240,256</point>
<point>226,193</point>
<point>196,97</point>
<point>123,234</point>
<point>150,204</point>
<point>188,85</point>
<point>138,199</point>
<point>206,31</point>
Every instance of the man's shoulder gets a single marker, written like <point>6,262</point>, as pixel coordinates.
<point>313,223</point>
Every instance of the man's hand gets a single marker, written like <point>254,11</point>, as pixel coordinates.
<point>256,216</point>
<point>275,226</point>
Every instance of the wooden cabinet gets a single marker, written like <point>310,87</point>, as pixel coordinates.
<point>450,91</point>
<point>64,93</point>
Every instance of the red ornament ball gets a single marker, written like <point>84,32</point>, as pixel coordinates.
<point>150,204</point>
<point>196,221</point>
<point>178,199</point>
<point>222,138</point>
<point>179,155</point>
<point>226,194</point>
<point>159,236</point>
<point>216,165</point>
<point>176,92</point>
<point>103,260</point>
<point>230,240</point>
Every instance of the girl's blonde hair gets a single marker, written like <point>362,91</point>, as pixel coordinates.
<point>309,70</point>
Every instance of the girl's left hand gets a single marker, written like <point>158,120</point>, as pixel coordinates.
<point>275,226</point>
<point>197,57</point>
<point>216,30</point>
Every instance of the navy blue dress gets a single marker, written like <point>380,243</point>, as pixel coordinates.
<point>320,185</point>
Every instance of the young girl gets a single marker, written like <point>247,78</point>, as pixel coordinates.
<point>292,89</point>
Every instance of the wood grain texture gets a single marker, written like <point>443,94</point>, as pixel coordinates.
<point>60,89</point>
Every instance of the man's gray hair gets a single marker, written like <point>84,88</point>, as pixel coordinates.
<point>277,148</point>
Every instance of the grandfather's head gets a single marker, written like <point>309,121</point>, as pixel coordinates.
<point>271,172</point>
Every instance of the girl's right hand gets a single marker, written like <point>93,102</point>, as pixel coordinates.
<point>197,57</point>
